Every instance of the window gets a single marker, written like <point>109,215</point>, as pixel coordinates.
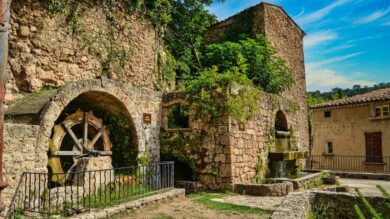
<point>329,147</point>
<point>374,147</point>
<point>382,111</point>
<point>178,116</point>
<point>385,111</point>
<point>327,114</point>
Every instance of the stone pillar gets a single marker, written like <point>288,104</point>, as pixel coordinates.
<point>4,25</point>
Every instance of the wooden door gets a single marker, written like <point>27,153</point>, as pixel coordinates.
<point>374,147</point>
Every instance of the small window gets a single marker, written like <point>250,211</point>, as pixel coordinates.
<point>329,147</point>
<point>382,111</point>
<point>378,112</point>
<point>327,114</point>
<point>385,111</point>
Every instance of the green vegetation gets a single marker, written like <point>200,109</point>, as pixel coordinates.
<point>256,58</point>
<point>176,147</point>
<point>206,199</point>
<point>125,152</point>
<point>317,97</point>
<point>116,194</point>
<point>318,212</point>
<point>214,95</point>
<point>178,116</point>
<point>367,205</point>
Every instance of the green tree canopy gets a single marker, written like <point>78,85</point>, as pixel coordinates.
<point>256,58</point>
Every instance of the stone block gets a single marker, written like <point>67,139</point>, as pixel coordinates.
<point>94,173</point>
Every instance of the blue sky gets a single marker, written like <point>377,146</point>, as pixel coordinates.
<point>347,42</point>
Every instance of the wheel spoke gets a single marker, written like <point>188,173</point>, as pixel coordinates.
<point>66,153</point>
<point>85,139</point>
<point>97,136</point>
<point>71,133</point>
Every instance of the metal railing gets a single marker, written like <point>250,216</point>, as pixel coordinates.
<point>46,194</point>
<point>370,164</point>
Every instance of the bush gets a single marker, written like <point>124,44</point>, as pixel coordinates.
<point>256,58</point>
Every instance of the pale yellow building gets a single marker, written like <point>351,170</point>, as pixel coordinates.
<point>352,133</point>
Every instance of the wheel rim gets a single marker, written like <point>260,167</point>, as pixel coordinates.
<point>80,134</point>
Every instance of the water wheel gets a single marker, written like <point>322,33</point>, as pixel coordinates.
<point>80,134</point>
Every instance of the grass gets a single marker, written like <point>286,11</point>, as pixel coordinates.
<point>206,199</point>
<point>109,197</point>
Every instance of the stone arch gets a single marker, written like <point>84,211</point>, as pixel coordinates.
<point>281,123</point>
<point>125,95</point>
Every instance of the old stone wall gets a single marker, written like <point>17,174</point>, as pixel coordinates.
<point>226,154</point>
<point>286,36</point>
<point>82,42</point>
<point>19,154</point>
<point>249,147</point>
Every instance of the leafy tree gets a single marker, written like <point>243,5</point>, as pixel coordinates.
<point>214,95</point>
<point>256,58</point>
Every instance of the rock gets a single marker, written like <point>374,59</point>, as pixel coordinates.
<point>33,29</point>
<point>24,31</point>
<point>95,172</point>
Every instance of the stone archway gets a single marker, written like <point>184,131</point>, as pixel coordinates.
<point>120,99</point>
<point>281,121</point>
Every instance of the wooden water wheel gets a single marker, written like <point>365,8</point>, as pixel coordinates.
<point>80,134</point>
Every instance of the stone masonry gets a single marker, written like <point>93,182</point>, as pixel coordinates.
<point>229,154</point>
<point>27,145</point>
<point>50,49</point>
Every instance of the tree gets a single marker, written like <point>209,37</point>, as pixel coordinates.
<point>256,58</point>
<point>184,35</point>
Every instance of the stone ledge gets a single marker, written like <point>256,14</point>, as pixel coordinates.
<point>132,205</point>
<point>362,175</point>
<point>275,189</point>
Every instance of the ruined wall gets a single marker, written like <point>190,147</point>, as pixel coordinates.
<point>287,38</point>
<point>54,49</point>
<point>19,155</point>
<point>226,154</point>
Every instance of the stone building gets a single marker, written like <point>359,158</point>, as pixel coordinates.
<point>357,126</point>
<point>76,66</point>
<point>238,153</point>
<point>59,67</point>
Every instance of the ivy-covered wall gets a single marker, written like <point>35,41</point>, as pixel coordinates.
<point>287,37</point>
<point>51,47</point>
<point>240,155</point>
<point>221,153</point>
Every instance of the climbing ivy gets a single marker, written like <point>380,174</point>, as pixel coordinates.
<point>124,150</point>
<point>177,147</point>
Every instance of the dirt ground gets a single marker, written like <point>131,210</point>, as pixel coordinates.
<point>181,208</point>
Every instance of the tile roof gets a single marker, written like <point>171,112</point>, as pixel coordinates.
<point>378,95</point>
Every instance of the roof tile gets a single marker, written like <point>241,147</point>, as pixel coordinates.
<point>378,95</point>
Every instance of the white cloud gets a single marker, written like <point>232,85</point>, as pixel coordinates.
<point>319,14</point>
<point>373,16</point>
<point>314,39</point>
<point>321,63</point>
<point>325,79</point>
<point>299,14</point>
<point>386,23</point>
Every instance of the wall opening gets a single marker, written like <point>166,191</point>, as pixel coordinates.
<point>178,116</point>
<point>103,113</point>
<point>281,122</point>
